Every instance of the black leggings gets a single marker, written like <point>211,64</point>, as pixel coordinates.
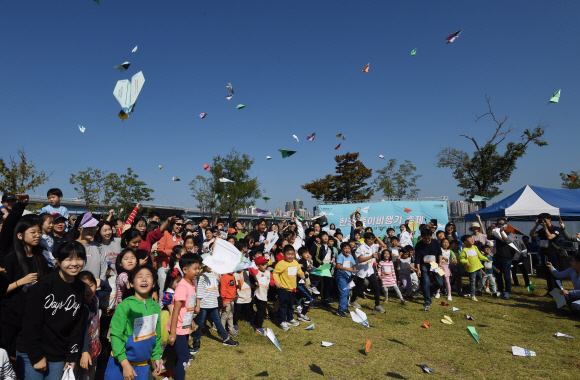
<point>261,306</point>
<point>243,310</point>
<point>360,288</point>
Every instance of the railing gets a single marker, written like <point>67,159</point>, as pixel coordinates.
<point>445,198</point>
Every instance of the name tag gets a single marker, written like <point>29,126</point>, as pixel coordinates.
<point>292,271</point>
<point>188,316</point>
<point>395,252</point>
<point>428,258</point>
<point>263,282</point>
<point>145,327</point>
<point>471,253</point>
<point>487,265</point>
<point>386,269</point>
<point>346,264</point>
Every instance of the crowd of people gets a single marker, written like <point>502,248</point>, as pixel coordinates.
<point>126,296</point>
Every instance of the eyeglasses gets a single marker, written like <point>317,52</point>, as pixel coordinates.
<point>179,224</point>
<point>34,233</point>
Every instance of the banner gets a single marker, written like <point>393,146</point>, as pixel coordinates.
<point>382,215</point>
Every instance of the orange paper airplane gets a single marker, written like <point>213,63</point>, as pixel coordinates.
<point>337,146</point>
<point>407,210</point>
<point>571,177</point>
<point>426,325</point>
<point>367,347</point>
<point>366,69</point>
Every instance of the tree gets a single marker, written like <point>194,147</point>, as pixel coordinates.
<point>400,183</point>
<point>127,191</point>
<point>482,173</point>
<point>570,183</point>
<point>201,188</point>
<point>90,185</point>
<point>18,177</point>
<point>346,185</point>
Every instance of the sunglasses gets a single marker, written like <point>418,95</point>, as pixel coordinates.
<point>179,224</point>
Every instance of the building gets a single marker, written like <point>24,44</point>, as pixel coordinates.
<point>289,206</point>
<point>298,204</point>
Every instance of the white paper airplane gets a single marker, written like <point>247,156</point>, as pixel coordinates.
<point>82,129</point>
<point>560,335</point>
<point>311,327</point>
<point>268,158</point>
<point>518,351</point>
<point>224,180</point>
<point>176,179</point>
<point>296,137</point>
<point>381,156</point>
<point>134,49</point>
<point>359,316</point>
<point>365,210</point>
<point>270,335</point>
<point>225,257</point>
<point>127,91</point>
<point>327,344</point>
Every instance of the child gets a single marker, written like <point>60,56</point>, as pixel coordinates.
<point>455,268</point>
<point>86,367</point>
<point>47,222</point>
<point>189,244</point>
<point>207,306</point>
<point>53,318</point>
<point>172,270</point>
<point>471,258</point>
<point>243,302</point>
<point>447,257</point>
<point>136,331</point>
<point>285,274</point>
<point>264,280</point>
<point>304,288</point>
<point>386,272</point>
<point>54,197</point>
<point>228,293</point>
<point>208,243</point>
<point>8,200</point>
<point>488,269</point>
<point>345,270</point>
<point>126,262</point>
<point>406,269</point>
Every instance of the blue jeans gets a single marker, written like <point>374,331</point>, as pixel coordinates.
<point>215,318</point>
<point>25,369</point>
<point>182,350</point>
<point>505,269</point>
<point>286,302</point>
<point>429,288</point>
<point>344,290</point>
<point>473,277</point>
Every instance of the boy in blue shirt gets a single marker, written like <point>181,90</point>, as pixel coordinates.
<point>488,269</point>
<point>54,197</point>
<point>345,269</point>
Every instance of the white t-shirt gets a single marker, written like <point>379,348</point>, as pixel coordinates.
<point>365,269</point>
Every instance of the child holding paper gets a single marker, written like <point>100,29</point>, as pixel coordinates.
<point>285,274</point>
<point>345,270</point>
<point>472,259</point>
<point>386,272</point>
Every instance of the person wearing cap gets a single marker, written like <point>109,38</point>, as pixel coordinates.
<point>478,238</point>
<point>96,263</point>
<point>502,259</point>
<point>58,231</point>
<point>548,235</point>
<point>8,200</point>
<point>264,280</point>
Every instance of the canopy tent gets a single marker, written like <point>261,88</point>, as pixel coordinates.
<point>529,201</point>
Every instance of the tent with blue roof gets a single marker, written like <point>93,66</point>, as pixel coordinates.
<point>529,201</point>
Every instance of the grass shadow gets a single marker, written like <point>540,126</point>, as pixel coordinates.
<point>396,341</point>
<point>308,343</point>
<point>395,375</point>
<point>316,369</point>
<point>262,374</point>
<point>363,352</point>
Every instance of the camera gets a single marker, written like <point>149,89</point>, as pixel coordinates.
<point>541,221</point>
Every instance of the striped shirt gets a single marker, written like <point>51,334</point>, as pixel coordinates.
<point>208,290</point>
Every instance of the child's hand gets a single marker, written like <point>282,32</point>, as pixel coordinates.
<point>41,365</point>
<point>549,265</point>
<point>278,285</point>
<point>158,367</point>
<point>497,271</point>
<point>171,339</point>
<point>467,265</point>
<point>86,360</point>
<point>128,371</point>
<point>564,292</point>
<point>351,270</point>
<point>302,276</point>
<point>197,309</point>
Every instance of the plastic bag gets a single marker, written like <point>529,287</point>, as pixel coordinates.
<point>68,373</point>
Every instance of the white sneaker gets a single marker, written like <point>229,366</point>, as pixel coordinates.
<point>473,298</point>
<point>449,298</point>
<point>313,290</point>
<point>284,326</point>
<point>487,290</point>
<point>294,322</point>
<point>437,295</point>
<point>298,309</point>
<point>304,318</point>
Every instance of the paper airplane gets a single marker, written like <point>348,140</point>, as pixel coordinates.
<point>311,137</point>
<point>134,49</point>
<point>560,300</point>
<point>414,51</point>
<point>407,210</point>
<point>367,347</point>
<point>339,135</point>
<point>473,333</point>
<point>268,158</point>
<point>366,191</point>
<point>555,98</point>
<point>206,167</point>
<point>216,197</point>
<point>127,91</point>
<point>82,129</point>
<point>296,137</point>
<point>560,335</point>
<point>225,258</point>
<point>381,156</point>
<point>123,116</point>
<point>469,317</point>
<point>160,167</point>
<point>365,210</point>
<point>225,180</point>
<point>453,36</point>
<point>531,287</point>
<point>327,344</point>
<point>286,153</point>
<point>203,115</point>
<point>454,309</point>
<point>311,327</point>
<point>240,106</point>
<point>366,69</point>
<point>176,179</point>
<point>352,284</point>
<point>413,226</point>
<point>518,351</point>
<point>426,325</point>
<point>323,270</point>
<point>270,335</point>
<point>344,137</point>
<point>479,198</point>
<point>426,369</point>
<point>359,316</point>
<point>229,87</point>
<point>443,303</point>
<point>571,176</point>
<point>261,212</point>
<point>122,67</point>
<point>338,146</point>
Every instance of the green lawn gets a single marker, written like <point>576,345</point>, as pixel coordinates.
<point>399,343</point>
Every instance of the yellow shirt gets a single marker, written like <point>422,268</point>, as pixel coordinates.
<point>285,273</point>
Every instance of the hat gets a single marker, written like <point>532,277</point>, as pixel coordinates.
<point>231,230</point>
<point>9,197</point>
<point>475,224</point>
<point>261,260</point>
<point>57,216</point>
<point>188,221</point>
<point>88,221</point>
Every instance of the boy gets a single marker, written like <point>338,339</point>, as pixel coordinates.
<point>228,292</point>
<point>8,200</point>
<point>54,197</point>
<point>323,254</point>
<point>307,264</point>
<point>285,274</point>
<point>264,280</point>
<point>456,270</point>
<point>472,259</point>
<point>207,306</point>
<point>366,256</point>
<point>488,269</point>
<point>345,270</point>
<point>243,302</point>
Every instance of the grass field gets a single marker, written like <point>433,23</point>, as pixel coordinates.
<point>400,344</point>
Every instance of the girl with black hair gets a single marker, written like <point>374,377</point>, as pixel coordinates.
<point>126,262</point>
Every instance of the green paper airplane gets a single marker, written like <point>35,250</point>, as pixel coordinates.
<point>322,271</point>
<point>532,287</point>
<point>286,153</point>
<point>555,98</point>
<point>240,106</point>
<point>479,198</point>
<point>473,333</point>
<point>414,51</point>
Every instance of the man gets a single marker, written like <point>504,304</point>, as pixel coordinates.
<point>366,255</point>
<point>502,259</point>
<point>259,233</point>
<point>8,200</point>
<point>154,217</point>
<point>426,251</point>
<point>58,231</point>
<point>519,262</point>
<point>200,237</point>
<point>548,236</point>
<point>357,217</point>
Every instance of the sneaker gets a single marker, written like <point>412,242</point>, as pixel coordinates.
<point>449,298</point>
<point>191,358</point>
<point>403,302</point>
<point>213,327</point>
<point>233,332</point>
<point>487,290</point>
<point>437,295</point>
<point>195,347</point>
<point>473,298</point>
<point>379,309</point>
<point>341,314</point>
<point>236,328</point>
<point>506,296</point>
<point>304,318</point>
<point>230,342</point>
<point>267,316</point>
<point>313,290</point>
<point>354,304</point>
<point>298,309</point>
<point>284,326</point>
<point>426,305</point>
<point>260,331</point>
<point>250,324</point>
<point>495,295</point>
<point>293,322</point>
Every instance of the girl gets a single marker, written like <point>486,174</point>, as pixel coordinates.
<point>171,270</point>
<point>405,237</point>
<point>447,257</point>
<point>24,266</point>
<point>331,229</point>
<point>386,272</point>
<point>136,331</point>
<point>209,239</point>
<point>47,222</point>
<point>170,239</point>
<point>53,319</point>
<point>189,244</point>
<point>96,263</point>
<point>126,262</point>
<point>406,267</point>
<point>452,234</point>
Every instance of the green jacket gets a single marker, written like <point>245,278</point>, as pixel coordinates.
<point>475,259</point>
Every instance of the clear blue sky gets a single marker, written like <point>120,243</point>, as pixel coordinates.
<point>296,65</point>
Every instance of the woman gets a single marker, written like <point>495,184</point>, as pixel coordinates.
<point>170,239</point>
<point>452,234</point>
<point>405,237</point>
<point>572,296</point>
<point>331,230</point>
<point>150,237</point>
<point>110,245</point>
<point>96,262</point>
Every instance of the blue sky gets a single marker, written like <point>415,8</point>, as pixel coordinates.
<point>296,65</point>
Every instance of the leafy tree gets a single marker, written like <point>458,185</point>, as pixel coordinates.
<point>400,183</point>
<point>570,183</point>
<point>483,172</point>
<point>125,191</point>
<point>90,185</point>
<point>20,176</point>
<point>201,188</point>
<point>346,184</point>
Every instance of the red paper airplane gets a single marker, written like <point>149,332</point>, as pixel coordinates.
<point>407,210</point>
<point>571,177</point>
<point>337,147</point>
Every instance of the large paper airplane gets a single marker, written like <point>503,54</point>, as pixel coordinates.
<point>127,92</point>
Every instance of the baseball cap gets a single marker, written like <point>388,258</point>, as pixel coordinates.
<point>261,260</point>
<point>9,197</point>
<point>88,221</point>
<point>57,216</point>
